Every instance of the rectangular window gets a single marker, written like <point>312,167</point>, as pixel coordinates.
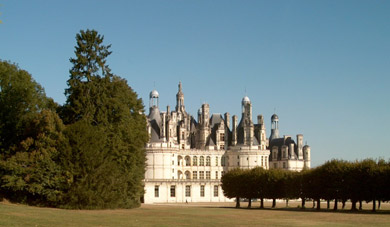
<point>156,191</point>
<point>201,175</point>
<point>222,147</point>
<point>195,175</point>
<point>216,161</point>
<point>188,191</point>
<point>222,136</point>
<point>275,166</point>
<point>222,173</point>
<point>202,191</point>
<point>216,174</point>
<point>215,190</point>
<point>284,165</point>
<point>208,175</point>
<point>173,190</point>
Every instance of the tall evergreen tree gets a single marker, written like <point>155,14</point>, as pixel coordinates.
<point>105,105</point>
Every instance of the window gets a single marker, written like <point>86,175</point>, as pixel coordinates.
<point>195,175</point>
<point>188,191</point>
<point>173,190</point>
<point>215,190</point>
<point>222,173</point>
<point>201,175</point>
<point>156,191</point>
<point>222,147</point>
<point>182,146</point>
<point>208,175</point>
<point>182,135</point>
<point>284,165</point>
<point>222,136</point>
<point>216,174</point>
<point>208,161</point>
<point>202,191</point>
<point>188,161</point>
<point>275,166</point>
<point>188,175</point>
<point>262,161</point>
<point>223,160</point>
<point>195,161</point>
<point>216,161</point>
<point>201,161</point>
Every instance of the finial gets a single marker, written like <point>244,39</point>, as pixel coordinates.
<point>179,85</point>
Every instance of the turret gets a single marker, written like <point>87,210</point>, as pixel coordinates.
<point>234,130</point>
<point>306,156</point>
<point>274,127</point>
<point>153,99</point>
<point>300,146</point>
<point>180,100</point>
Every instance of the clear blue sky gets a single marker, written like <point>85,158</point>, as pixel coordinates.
<point>323,65</point>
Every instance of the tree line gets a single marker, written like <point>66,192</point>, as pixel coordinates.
<point>337,180</point>
<point>85,154</point>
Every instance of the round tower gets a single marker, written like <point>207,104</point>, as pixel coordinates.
<point>153,99</point>
<point>306,156</point>
<point>274,127</point>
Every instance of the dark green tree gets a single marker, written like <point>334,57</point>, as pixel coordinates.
<point>20,99</point>
<point>232,184</point>
<point>31,141</point>
<point>102,104</point>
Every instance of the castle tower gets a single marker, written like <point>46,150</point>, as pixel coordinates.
<point>306,156</point>
<point>262,136</point>
<point>234,130</point>
<point>153,99</point>
<point>204,126</point>
<point>246,121</point>
<point>274,127</point>
<point>300,146</point>
<point>180,100</point>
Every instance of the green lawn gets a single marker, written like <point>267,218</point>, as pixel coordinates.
<point>190,215</point>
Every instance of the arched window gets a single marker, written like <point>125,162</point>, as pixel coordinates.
<point>179,175</point>
<point>195,161</point>
<point>201,161</point>
<point>188,175</point>
<point>188,161</point>
<point>179,160</point>
<point>208,161</point>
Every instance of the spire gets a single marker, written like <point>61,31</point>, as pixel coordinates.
<point>180,99</point>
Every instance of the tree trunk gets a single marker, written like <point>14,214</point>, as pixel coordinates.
<point>262,203</point>
<point>273,203</point>
<point>353,208</point>
<point>318,204</point>
<point>314,203</point>
<point>373,205</point>
<point>303,203</point>
<point>249,203</point>
<point>343,202</point>
<point>379,204</point>
<point>328,204</point>
<point>237,202</point>
<point>360,205</point>
<point>286,202</point>
<point>335,204</point>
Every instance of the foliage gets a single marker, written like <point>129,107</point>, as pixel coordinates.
<point>107,155</point>
<point>31,141</point>
<point>338,180</point>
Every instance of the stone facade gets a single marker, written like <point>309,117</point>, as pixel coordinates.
<point>186,158</point>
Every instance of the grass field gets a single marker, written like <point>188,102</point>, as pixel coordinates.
<point>191,215</point>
